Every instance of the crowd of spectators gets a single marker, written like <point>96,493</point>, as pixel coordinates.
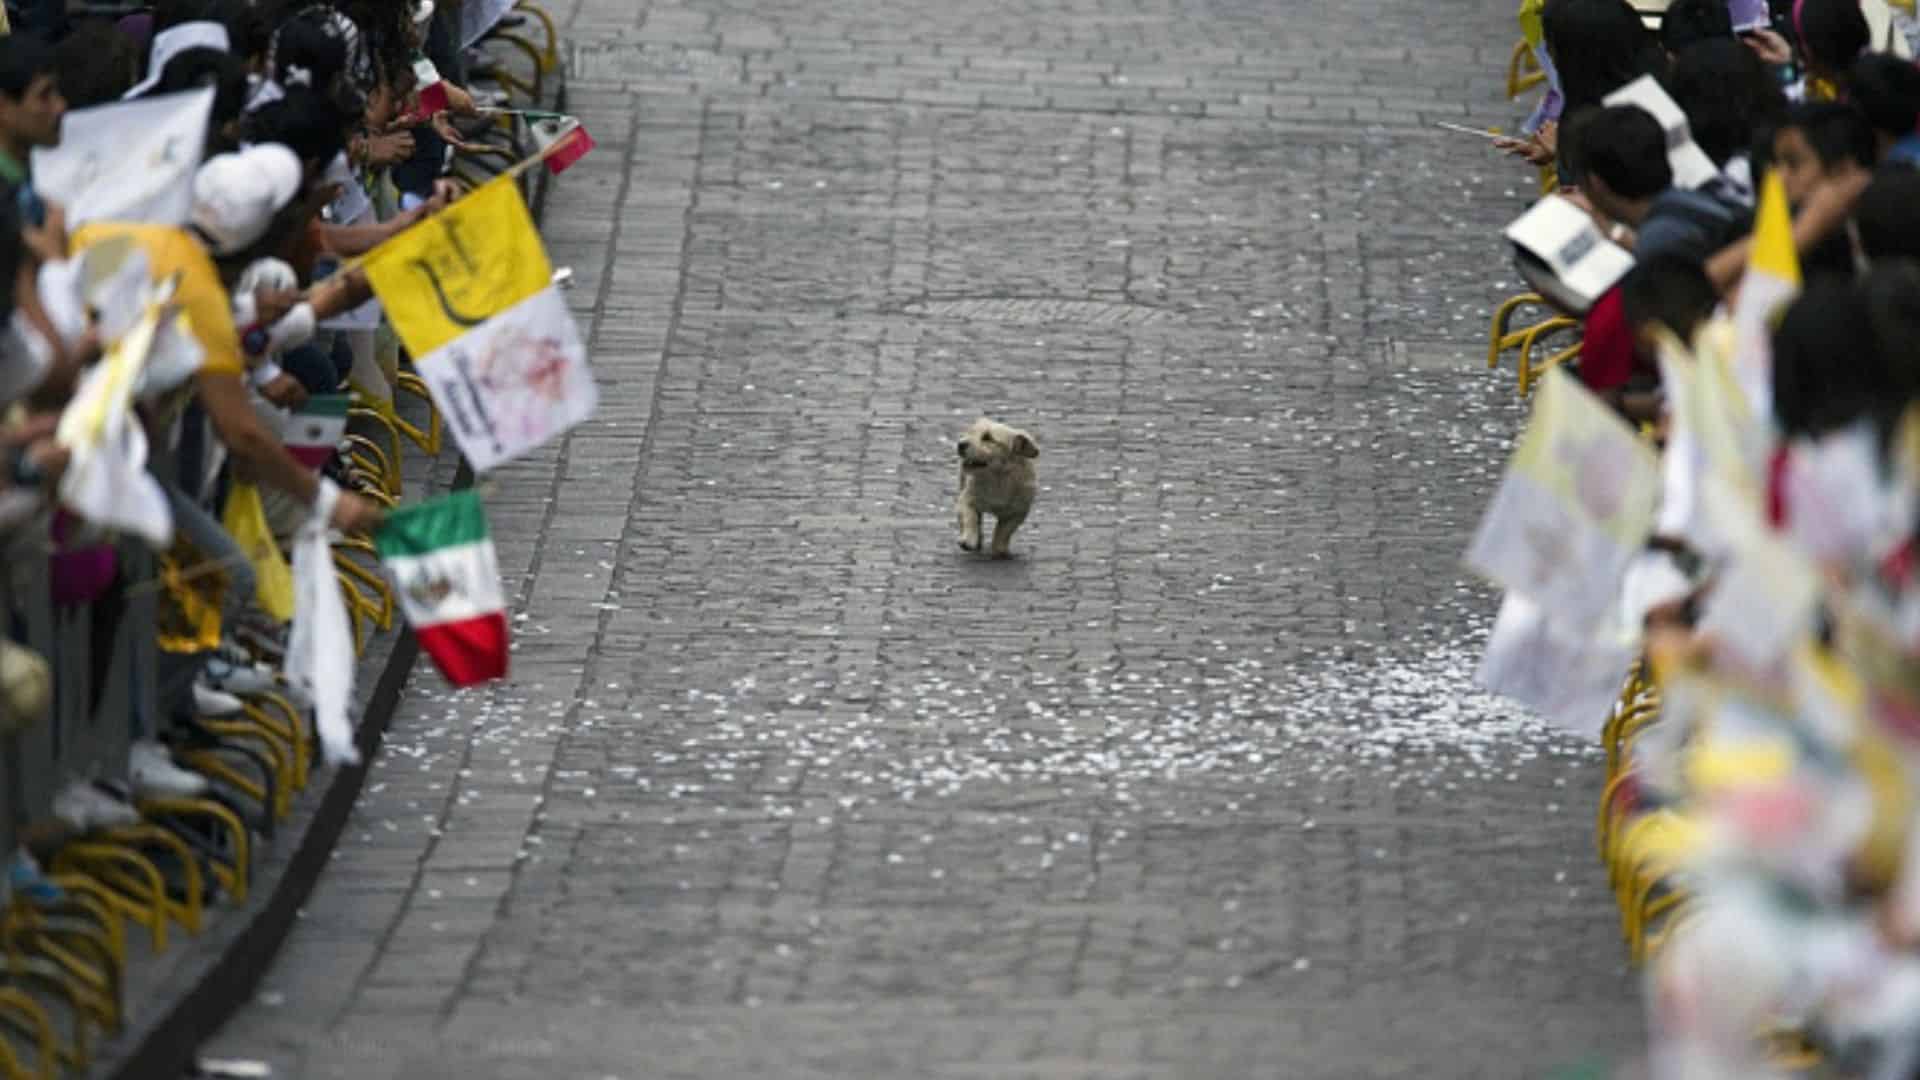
<point>1762,815</point>
<point>330,126</point>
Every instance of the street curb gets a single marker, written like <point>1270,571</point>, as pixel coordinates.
<point>170,1046</point>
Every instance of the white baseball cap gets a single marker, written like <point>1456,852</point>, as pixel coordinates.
<point>235,196</point>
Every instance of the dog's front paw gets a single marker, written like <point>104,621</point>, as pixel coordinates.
<point>970,543</point>
<point>1002,553</point>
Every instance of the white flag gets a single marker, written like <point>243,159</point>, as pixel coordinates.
<point>130,161</point>
<point>1572,680</point>
<point>320,642</point>
<point>511,384</point>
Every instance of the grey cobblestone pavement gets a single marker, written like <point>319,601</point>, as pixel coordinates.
<point>786,785</point>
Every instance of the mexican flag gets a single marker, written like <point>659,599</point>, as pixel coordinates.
<point>562,140</point>
<point>448,581</point>
<point>312,435</point>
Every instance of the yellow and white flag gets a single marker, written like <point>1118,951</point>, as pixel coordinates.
<point>107,481</point>
<point>1771,282</point>
<point>1714,435</point>
<point>514,383</point>
<point>452,272</point>
<point>1575,505</point>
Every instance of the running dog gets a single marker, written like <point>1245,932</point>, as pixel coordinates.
<point>996,477</point>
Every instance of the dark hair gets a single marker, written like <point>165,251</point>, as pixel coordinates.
<point>1887,216</point>
<point>168,14</point>
<point>1893,298</point>
<point>246,25</point>
<point>385,26</point>
<point>97,63</point>
<point>309,43</point>
<point>1830,256</point>
<point>1727,94</point>
<point>310,124</point>
<point>1887,90</point>
<point>1828,368</point>
<point>24,58</point>
<point>1836,132</point>
<point>1597,47</point>
<point>1668,290</point>
<point>1833,33</point>
<point>1623,145</point>
<point>1688,22</point>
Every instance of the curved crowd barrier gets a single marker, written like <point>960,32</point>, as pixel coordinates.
<point>134,921</point>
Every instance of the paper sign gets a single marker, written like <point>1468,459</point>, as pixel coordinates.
<point>131,161</point>
<point>1583,263</point>
<point>1749,15</point>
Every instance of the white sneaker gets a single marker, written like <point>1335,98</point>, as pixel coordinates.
<point>154,774</point>
<point>87,808</point>
<point>241,680</point>
<point>215,704</point>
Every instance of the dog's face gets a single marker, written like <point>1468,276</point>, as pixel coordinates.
<point>988,444</point>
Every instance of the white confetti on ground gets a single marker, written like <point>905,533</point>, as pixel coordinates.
<point>1241,723</point>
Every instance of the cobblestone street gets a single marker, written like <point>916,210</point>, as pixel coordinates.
<point>784,784</point>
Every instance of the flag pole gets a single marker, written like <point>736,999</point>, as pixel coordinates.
<point>514,171</point>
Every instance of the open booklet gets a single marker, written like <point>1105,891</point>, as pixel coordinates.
<point>1563,255</point>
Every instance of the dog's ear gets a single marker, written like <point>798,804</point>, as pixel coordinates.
<point>1024,445</point>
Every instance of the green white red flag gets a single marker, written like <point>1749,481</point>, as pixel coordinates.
<point>447,578</point>
<point>312,433</point>
<point>562,140</point>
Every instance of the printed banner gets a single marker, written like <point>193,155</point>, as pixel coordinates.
<point>514,383</point>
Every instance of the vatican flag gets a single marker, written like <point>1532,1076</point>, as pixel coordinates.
<point>457,269</point>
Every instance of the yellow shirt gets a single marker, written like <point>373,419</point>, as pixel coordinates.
<point>200,292</point>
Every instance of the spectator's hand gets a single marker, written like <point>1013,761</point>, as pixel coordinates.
<point>1538,148</point>
<point>50,458</point>
<point>271,305</point>
<point>357,514</point>
<point>1770,47</point>
<point>389,149</point>
<point>30,446</point>
<point>443,127</point>
<point>445,192</point>
<point>35,427</point>
<point>285,391</point>
<point>86,350</point>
